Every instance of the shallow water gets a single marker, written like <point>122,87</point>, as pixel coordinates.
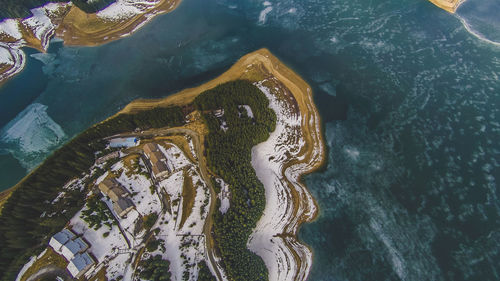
<point>409,98</point>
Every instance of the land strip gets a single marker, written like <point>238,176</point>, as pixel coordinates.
<point>255,67</point>
<point>74,26</point>
<point>81,29</point>
<point>264,70</point>
<point>448,5</point>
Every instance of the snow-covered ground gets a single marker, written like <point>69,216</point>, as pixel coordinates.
<point>248,110</point>
<point>40,24</point>
<point>125,9</point>
<point>223,196</point>
<point>176,159</point>
<point>183,245</point>
<point>281,216</point>
<point>13,57</point>
<point>115,248</point>
<point>190,234</point>
<point>191,147</point>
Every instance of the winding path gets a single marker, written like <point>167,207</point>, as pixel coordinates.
<point>50,271</point>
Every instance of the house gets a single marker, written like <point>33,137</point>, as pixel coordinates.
<point>73,247</point>
<point>61,238</point>
<point>117,193</point>
<point>122,206</point>
<point>157,159</point>
<point>80,264</point>
<point>74,250</point>
<point>113,189</point>
<point>124,142</point>
<point>107,157</point>
<point>67,244</point>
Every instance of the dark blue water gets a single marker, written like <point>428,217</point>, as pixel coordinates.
<point>409,98</point>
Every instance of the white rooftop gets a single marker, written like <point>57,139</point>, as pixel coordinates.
<point>64,236</point>
<point>78,263</point>
<point>73,247</point>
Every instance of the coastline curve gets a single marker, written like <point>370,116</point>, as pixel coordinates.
<point>74,27</point>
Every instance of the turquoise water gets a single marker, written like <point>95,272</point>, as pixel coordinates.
<point>409,97</point>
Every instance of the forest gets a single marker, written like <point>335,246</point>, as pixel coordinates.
<point>204,273</point>
<point>24,227</point>
<point>228,151</point>
<point>21,8</point>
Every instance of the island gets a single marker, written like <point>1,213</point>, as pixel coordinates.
<point>201,185</point>
<point>74,26</point>
<point>448,5</point>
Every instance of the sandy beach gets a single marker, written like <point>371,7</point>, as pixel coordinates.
<point>448,5</point>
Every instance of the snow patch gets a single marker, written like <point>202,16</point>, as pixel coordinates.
<point>32,132</point>
<point>125,9</point>
<point>263,14</point>
<point>5,56</point>
<point>248,110</point>
<point>11,28</point>
<point>223,196</point>
<point>281,215</point>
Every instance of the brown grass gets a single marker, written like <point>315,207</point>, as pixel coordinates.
<point>80,28</point>
<point>49,258</point>
<point>4,195</point>
<point>181,142</point>
<point>188,196</point>
<point>254,67</point>
<point>448,5</point>
<point>100,275</point>
<point>130,162</point>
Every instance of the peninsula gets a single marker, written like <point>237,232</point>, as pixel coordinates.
<point>74,26</point>
<point>200,185</point>
<point>448,5</point>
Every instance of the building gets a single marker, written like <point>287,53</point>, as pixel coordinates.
<point>118,195</point>
<point>122,206</point>
<point>67,244</point>
<point>113,189</point>
<point>157,160</point>
<point>124,142</point>
<point>73,247</point>
<point>61,238</point>
<point>80,264</point>
<point>74,250</point>
<point>107,157</point>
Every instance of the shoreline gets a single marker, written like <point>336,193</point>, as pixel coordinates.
<point>255,67</point>
<point>79,29</point>
<point>74,27</point>
<point>450,6</point>
<point>294,259</point>
<point>295,149</point>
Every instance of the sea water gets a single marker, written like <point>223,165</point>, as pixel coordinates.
<point>409,99</point>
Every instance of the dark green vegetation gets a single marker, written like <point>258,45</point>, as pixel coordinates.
<point>150,220</point>
<point>153,244</point>
<point>24,230</point>
<point>21,8</point>
<point>229,156</point>
<point>204,274</point>
<point>154,269</point>
<point>97,213</point>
